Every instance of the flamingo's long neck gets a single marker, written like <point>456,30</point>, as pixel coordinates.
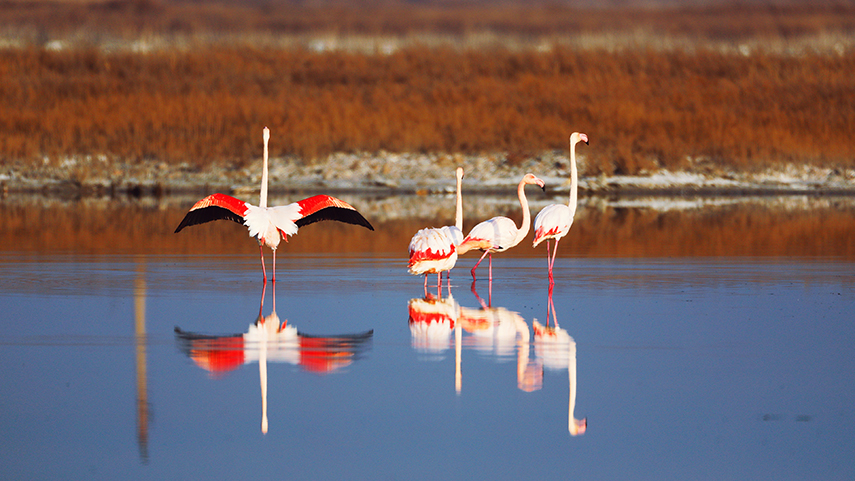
<point>574,181</point>
<point>458,217</point>
<point>571,405</point>
<point>526,221</point>
<point>262,375</point>
<point>262,201</point>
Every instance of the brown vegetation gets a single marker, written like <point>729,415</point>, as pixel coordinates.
<point>642,107</point>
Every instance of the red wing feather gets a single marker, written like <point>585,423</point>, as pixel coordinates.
<point>214,207</point>
<point>325,207</point>
<point>429,255</point>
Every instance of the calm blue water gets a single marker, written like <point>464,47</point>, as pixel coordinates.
<point>713,368</point>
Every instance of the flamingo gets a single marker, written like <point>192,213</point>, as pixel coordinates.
<point>557,349</point>
<point>500,233</point>
<point>554,220</point>
<point>433,250</point>
<point>502,332</point>
<point>271,224</point>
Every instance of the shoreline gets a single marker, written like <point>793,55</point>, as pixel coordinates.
<point>389,174</point>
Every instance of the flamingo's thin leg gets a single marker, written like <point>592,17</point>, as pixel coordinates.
<point>552,261</point>
<point>475,292</point>
<point>551,306</point>
<point>479,262</point>
<point>548,268</point>
<point>274,280</point>
<point>274,266</point>
<point>261,306</point>
<point>426,285</point>
<point>263,269</point>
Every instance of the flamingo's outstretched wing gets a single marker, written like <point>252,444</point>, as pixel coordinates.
<point>325,207</point>
<point>215,207</point>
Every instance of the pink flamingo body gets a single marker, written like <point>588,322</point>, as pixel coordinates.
<point>554,220</point>
<point>434,250</point>
<point>500,233</point>
<point>270,225</point>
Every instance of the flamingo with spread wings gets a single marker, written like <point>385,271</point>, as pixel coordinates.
<point>270,225</point>
<point>554,220</point>
<point>434,249</point>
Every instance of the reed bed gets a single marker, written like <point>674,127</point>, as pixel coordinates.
<point>644,108</point>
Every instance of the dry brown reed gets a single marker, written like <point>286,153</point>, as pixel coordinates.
<point>643,108</point>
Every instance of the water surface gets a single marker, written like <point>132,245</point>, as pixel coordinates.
<point>729,364</point>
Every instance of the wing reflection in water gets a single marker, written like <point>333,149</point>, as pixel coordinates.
<point>557,350</point>
<point>270,339</point>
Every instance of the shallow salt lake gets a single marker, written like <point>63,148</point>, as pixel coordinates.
<point>722,363</point>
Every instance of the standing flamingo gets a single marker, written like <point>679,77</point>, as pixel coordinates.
<point>554,220</point>
<point>434,250</point>
<point>500,233</point>
<point>271,224</point>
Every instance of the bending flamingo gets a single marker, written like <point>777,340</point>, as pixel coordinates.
<point>271,224</point>
<point>500,233</point>
<point>554,220</point>
<point>434,250</point>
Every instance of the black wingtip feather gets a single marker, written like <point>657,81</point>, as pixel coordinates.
<point>207,214</point>
<point>341,214</point>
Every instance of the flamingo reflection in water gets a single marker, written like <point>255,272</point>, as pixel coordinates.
<point>557,350</point>
<point>271,339</point>
<point>431,323</point>
<point>497,331</point>
<point>500,331</point>
<point>491,330</point>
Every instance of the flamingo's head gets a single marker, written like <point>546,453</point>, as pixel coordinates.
<point>460,172</point>
<point>577,137</point>
<point>532,179</point>
<point>266,134</point>
<point>578,427</point>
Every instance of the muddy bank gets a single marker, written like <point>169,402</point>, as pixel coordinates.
<point>403,174</point>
